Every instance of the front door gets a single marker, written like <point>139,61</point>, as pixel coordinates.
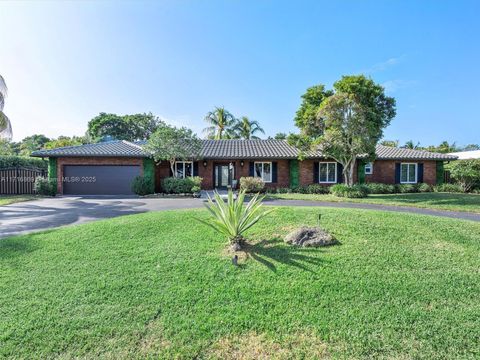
<point>223,176</point>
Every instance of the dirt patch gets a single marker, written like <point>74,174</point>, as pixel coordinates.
<point>252,346</point>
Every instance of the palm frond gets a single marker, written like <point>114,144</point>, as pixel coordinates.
<point>5,127</point>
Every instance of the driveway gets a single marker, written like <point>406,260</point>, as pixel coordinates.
<point>30,216</point>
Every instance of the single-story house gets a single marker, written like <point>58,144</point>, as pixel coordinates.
<point>109,167</point>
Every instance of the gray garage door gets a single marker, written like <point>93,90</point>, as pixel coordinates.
<point>99,180</point>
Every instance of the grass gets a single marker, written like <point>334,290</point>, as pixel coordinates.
<point>437,201</point>
<point>11,199</point>
<point>161,285</point>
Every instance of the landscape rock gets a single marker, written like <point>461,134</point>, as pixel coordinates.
<point>310,236</point>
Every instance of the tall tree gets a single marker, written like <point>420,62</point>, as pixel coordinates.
<point>280,136</point>
<point>169,143</point>
<point>63,141</point>
<point>5,124</point>
<point>247,129</point>
<point>352,121</point>
<point>127,127</point>
<point>32,143</point>
<point>7,147</point>
<point>306,116</point>
<point>411,145</point>
<point>391,143</point>
<point>221,124</point>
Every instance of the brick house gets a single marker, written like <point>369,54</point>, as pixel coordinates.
<point>108,168</point>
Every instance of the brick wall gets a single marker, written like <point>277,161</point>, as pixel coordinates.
<point>61,162</point>
<point>384,171</point>
<point>207,172</point>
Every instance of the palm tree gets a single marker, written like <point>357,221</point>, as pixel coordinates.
<point>222,123</point>
<point>5,125</point>
<point>246,128</point>
<point>411,145</point>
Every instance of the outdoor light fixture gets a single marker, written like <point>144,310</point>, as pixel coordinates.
<point>204,163</point>
<point>241,163</point>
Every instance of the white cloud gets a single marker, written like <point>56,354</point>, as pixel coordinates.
<point>394,85</point>
<point>384,65</point>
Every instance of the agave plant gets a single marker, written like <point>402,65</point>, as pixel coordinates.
<point>232,218</point>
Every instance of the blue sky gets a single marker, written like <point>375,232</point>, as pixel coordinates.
<point>65,62</point>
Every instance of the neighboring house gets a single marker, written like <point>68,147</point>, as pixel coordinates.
<point>466,155</point>
<point>109,167</point>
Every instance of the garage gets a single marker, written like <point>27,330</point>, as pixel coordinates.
<point>99,179</point>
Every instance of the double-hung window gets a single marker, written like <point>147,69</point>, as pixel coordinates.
<point>327,172</point>
<point>368,168</point>
<point>263,170</point>
<point>183,169</point>
<point>408,173</point>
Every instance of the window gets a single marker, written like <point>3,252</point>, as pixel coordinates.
<point>264,170</point>
<point>183,169</point>
<point>327,172</point>
<point>368,168</point>
<point>408,173</point>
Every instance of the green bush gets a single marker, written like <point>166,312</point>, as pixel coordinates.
<point>10,161</point>
<point>317,189</point>
<point>142,185</point>
<point>355,191</point>
<point>300,189</point>
<point>284,190</point>
<point>449,188</point>
<point>378,188</point>
<point>189,185</point>
<point>251,184</point>
<point>423,188</point>
<point>45,186</point>
<point>406,188</point>
<point>466,173</point>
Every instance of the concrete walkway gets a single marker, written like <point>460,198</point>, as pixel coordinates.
<point>31,216</point>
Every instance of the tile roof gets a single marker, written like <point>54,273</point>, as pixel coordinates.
<point>388,152</point>
<point>230,149</point>
<point>115,148</point>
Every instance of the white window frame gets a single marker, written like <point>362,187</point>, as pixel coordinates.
<point>408,173</point>
<point>369,165</point>
<point>183,166</point>
<point>263,164</point>
<point>336,172</point>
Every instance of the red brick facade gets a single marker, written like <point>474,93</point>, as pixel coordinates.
<point>383,170</point>
<point>61,162</point>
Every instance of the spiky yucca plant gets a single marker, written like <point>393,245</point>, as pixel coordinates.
<point>232,218</point>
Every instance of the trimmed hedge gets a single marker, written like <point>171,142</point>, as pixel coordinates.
<point>354,191</point>
<point>189,185</point>
<point>10,161</point>
<point>142,185</point>
<point>45,186</point>
<point>251,184</point>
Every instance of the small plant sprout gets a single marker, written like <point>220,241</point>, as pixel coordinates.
<point>233,217</point>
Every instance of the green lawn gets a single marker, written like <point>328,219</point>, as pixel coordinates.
<point>438,201</point>
<point>161,285</point>
<point>10,199</point>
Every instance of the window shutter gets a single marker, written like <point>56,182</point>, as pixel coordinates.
<point>195,168</point>
<point>274,172</point>
<point>251,169</point>
<point>420,173</point>
<point>397,173</point>
<point>315,172</point>
<point>339,173</point>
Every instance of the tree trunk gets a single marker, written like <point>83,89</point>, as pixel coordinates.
<point>172,167</point>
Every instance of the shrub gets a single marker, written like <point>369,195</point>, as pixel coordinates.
<point>449,188</point>
<point>300,189</point>
<point>378,188</point>
<point>354,191</point>
<point>284,190</point>
<point>142,185</point>
<point>233,218</point>
<point>406,188</point>
<point>189,185</point>
<point>21,161</point>
<point>423,188</point>
<point>251,184</point>
<point>466,173</point>
<point>317,189</point>
<point>45,186</point>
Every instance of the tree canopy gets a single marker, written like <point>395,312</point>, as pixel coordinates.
<point>169,143</point>
<point>247,129</point>
<point>123,127</point>
<point>222,124</point>
<point>306,116</point>
<point>5,124</point>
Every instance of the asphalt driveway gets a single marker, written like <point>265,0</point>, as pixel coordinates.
<point>30,216</point>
